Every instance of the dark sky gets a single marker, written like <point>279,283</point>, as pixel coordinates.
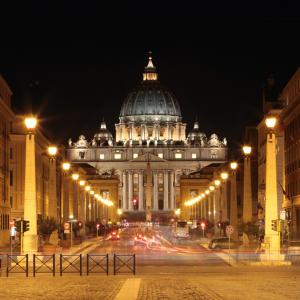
<point>75,63</point>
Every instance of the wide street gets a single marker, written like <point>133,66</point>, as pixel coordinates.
<point>156,246</point>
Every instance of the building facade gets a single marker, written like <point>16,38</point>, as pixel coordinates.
<point>6,118</point>
<point>150,151</point>
<point>291,122</point>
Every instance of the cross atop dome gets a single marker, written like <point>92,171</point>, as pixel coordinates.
<point>150,73</point>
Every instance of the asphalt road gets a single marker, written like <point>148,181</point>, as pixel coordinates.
<point>157,247</point>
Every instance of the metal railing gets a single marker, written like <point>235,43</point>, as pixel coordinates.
<point>15,264</point>
<point>70,264</point>
<point>124,263</point>
<point>43,264</point>
<point>97,263</point>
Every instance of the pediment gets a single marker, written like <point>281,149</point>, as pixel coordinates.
<point>148,157</point>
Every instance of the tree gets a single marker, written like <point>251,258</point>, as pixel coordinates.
<point>46,227</point>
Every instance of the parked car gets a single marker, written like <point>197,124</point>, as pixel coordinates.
<point>223,243</point>
<point>294,247</point>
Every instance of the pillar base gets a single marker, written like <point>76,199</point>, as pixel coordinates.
<point>30,243</point>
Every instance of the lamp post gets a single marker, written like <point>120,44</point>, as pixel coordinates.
<point>247,198</point>
<point>52,201</point>
<point>30,243</point>
<point>272,237</point>
<point>233,199</point>
<point>217,183</point>
<point>223,199</point>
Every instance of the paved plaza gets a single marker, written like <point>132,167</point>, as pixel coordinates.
<point>208,283</point>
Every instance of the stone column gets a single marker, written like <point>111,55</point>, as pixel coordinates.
<point>71,197</point>
<point>205,208</point>
<point>30,205</point>
<point>224,201</point>
<point>271,207</point>
<point>141,191</point>
<point>130,191</point>
<point>169,132</point>
<point>166,190</point>
<point>209,196</point>
<point>124,192</point>
<point>155,191</point>
<point>247,199</point>
<point>76,200</point>
<point>233,205</point>
<point>172,192</point>
<point>52,210</point>
<point>82,209</point>
<point>65,198</point>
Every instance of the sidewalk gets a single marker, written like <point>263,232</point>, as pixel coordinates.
<point>87,245</point>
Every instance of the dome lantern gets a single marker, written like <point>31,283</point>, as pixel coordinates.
<point>150,73</point>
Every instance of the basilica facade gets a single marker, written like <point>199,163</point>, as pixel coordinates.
<point>149,153</point>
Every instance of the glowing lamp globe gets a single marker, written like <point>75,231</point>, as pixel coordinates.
<point>75,176</point>
<point>217,182</point>
<point>224,175</point>
<point>271,122</point>
<point>30,123</point>
<point>52,150</point>
<point>247,149</point>
<point>82,182</point>
<point>66,166</point>
<point>233,165</point>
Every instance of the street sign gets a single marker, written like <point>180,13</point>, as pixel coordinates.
<point>282,215</point>
<point>229,229</point>
<point>13,231</point>
<point>66,226</point>
<point>67,231</point>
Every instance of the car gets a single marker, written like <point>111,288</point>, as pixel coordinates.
<point>114,235</point>
<point>223,243</point>
<point>139,239</point>
<point>294,247</point>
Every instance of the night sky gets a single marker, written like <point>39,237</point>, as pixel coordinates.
<point>75,63</point>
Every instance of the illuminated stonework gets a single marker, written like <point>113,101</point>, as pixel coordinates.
<point>150,129</point>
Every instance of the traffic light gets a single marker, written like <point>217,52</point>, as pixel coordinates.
<point>25,225</point>
<point>18,226</point>
<point>274,225</point>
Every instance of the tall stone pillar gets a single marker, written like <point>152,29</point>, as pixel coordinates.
<point>52,211</point>
<point>247,199</point>
<point>130,191</point>
<point>30,205</point>
<point>224,202</point>
<point>124,191</point>
<point>75,200</point>
<point>172,190</point>
<point>155,191</point>
<point>82,209</point>
<point>141,190</point>
<point>205,208</point>
<point>166,190</point>
<point>53,199</point>
<point>233,205</point>
<point>65,199</point>
<point>209,196</point>
<point>271,207</point>
<point>71,197</point>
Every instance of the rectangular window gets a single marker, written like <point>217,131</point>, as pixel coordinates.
<point>194,155</point>
<point>11,178</point>
<point>11,201</point>
<point>178,155</point>
<point>118,156</point>
<point>101,156</point>
<point>160,155</point>
<point>135,155</point>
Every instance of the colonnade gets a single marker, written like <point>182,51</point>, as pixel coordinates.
<point>167,195</point>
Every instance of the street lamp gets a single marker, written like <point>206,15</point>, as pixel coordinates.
<point>272,237</point>
<point>30,203</point>
<point>233,199</point>
<point>75,176</point>
<point>51,207</point>
<point>247,199</point>
<point>66,166</point>
<point>82,182</point>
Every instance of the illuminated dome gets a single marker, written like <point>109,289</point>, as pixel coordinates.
<point>196,137</point>
<point>103,137</point>
<point>150,101</point>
